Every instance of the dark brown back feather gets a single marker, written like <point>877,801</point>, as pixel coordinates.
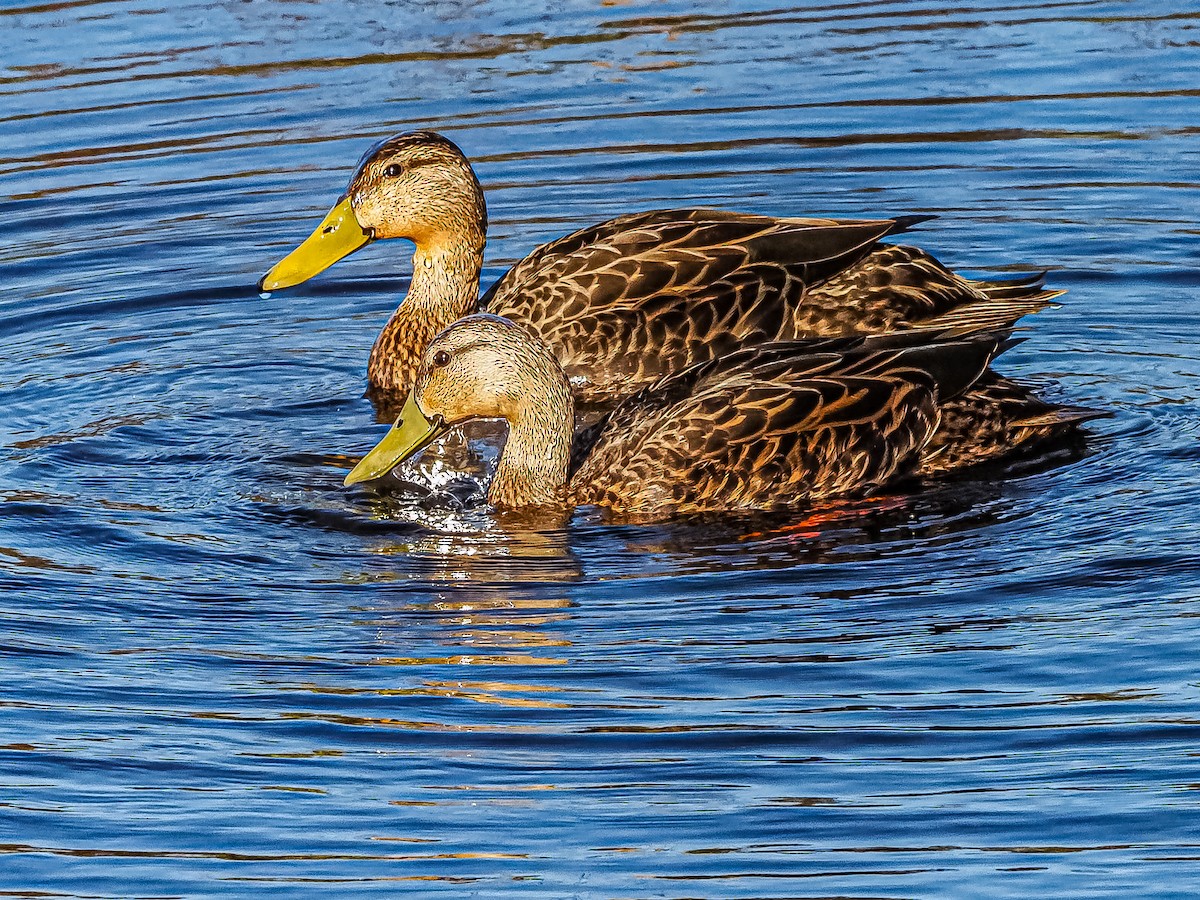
<point>775,425</point>
<point>626,301</point>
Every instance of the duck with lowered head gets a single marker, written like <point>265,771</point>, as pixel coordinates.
<point>779,425</point>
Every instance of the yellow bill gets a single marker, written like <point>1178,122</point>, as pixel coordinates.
<point>412,433</point>
<point>336,237</point>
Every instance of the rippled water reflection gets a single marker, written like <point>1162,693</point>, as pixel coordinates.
<point>224,674</point>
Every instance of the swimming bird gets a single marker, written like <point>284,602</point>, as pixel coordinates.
<point>780,424</point>
<point>627,301</point>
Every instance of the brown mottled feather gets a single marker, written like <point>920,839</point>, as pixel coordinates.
<point>897,287</point>
<point>993,420</point>
<point>696,284</point>
<point>777,425</point>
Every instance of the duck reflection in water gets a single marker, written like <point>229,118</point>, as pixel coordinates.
<point>485,599</point>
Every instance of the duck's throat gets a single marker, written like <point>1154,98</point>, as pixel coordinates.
<point>445,287</point>
<point>533,465</point>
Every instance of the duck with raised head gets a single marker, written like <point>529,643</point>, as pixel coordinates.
<point>779,425</point>
<point>637,297</point>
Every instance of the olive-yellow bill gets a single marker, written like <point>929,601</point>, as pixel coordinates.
<point>338,235</point>
<point>412,433</point>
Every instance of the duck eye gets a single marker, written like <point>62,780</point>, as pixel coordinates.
<point>393,170</point>
<point>441,358</point>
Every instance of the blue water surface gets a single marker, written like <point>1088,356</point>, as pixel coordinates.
<point>224,675</point>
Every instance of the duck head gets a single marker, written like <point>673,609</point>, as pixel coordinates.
<point>417,186</point>
<point>481,367</point>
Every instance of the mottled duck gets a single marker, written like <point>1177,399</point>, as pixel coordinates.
<point>776,425</point>
<point>635,298</point>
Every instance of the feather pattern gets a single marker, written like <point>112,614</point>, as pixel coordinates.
<point>993,420</point>
<point>777,425</point>
<point>631,299</point>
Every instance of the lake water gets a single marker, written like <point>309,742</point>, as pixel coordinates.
<point>225,675</point>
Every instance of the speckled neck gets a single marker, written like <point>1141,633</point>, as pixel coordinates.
<point>533,466</point>
<point>445,287</point>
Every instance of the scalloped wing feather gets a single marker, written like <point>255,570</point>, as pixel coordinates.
<point>895,287</point>
<point>758,446</point>
<point>673,287</point>
<point>625,301</point>
<point>775,425</point>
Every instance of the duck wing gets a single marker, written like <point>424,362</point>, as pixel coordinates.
<point>626,301</point>
<point>777,425</point>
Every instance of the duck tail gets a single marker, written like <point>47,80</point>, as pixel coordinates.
<point>901,224</point>
<point>994,312</point>
<point>1020,286</point>
<point>999,420</point>
<point>1059,416</point>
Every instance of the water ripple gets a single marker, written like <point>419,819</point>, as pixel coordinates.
<point>224,672</point>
